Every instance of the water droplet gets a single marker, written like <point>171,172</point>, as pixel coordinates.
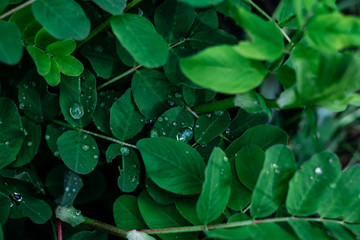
<point>33,84</point>
<point>166,118</point>
<point>333,185</point>
<point>160,119</point>
<point>67,189</point>
<point>133,179</point>
<point>125,151</point>
<point>228,131</point>
<point>25,132</point>
<point>277,171</point>
<point>187,152</point>
<point>77,110</point>
<point>219,113</point>
<point>74,190</point>
<point>178,95</point>
<point>85,137</point>
<point>102,105</point>
<point>22,106</point>
<point>197,125</point>
<point>331,160</point>
<point>29,144</point>
<point>7,143</point>
<point>171,103</point>
<point>78,212</point>
<point>85,147</point>
<point>174,124</point>
<point>164,133</point>
<point>208,115</point>
<point>225,159</point>
<point>154,133</point>
<point>99,49</point>
<point>318,170</point>
<point>96,156</point>
<point>185,135</point>
<point>25,86</point>
<point>183,123</point>
<point>274,165</point>
<point>148,121</point>
<point>47,137</point>
<point>56,153</point>
<point>17,196</point>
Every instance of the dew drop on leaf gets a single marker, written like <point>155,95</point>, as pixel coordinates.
<point>318,170</point>
<point>77,110</point>
<point>21,106</point>
<point>47,137</point>
<point>161,119</point>
<point>125,151</point>
<point>85,147</point>
<point>185,135</point>
<point>17,196</point>
<point>96,156</point>
<point>29,144</point>
<point>154,132</point>
<point>219,113</point>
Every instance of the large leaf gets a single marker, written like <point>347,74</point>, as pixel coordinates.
<point>79,151</point>
<point>343,198</point>
<point>201,3</point>
<point>115,7</point>
<point>173,165</point>
<point>125,119</point>
<point>173,19</point>
<point>140,39</point>
<point>333,31</point>
<point>265,45</point>
<point>311,182</point>
<point>162,216</point>
<point>127,214</point>
<point>11,131</point>
<point>62,19</point>
<point>78,98</point>
<point>10,43</point>
<point>216,188</point>
<point>222,69</point>
<point>272,185</point>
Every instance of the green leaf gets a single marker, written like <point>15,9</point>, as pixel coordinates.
<point>333,31</point>
<point>151,89</point>
<point>3,5</point>
<point>204,39</point>
<point>252,102</point>
<point>216,188</point>
<point>125,119</point>
<point>173,20</point>
<point>162,216</point>
<point>240,195</point>
<point>265,45</point>
<point>173,165</point>
<point>10,43</point>
<point>53,77</point>
<point>187,208</point>
<point>129,171</point>
<point>343,198</point>
<point>30,33</point>
<point>160,195</point>
<point>272,185</point>
<point>127,214</point>
<point>309,185</point>
<point>5,155</point>
<point>338,231</point>
<point>79,151</point>
<point>175,123</point>
<point>285,14</point>
<point>53,132</point>
<point>72,184</point>
<point>193,97</point>
<point>78,98</point>
<point>209,126</point>
<point>61,48</point>
<point>87,235</point>
<point>69,65</point>
<point>11,131</point>
<point>249,161</point>
<point>222,69</point>
<point>124,55</point>
<point>305,230</point>
<point>201,3</point>
<point>41,59</point>
<point>262,135</point>
<point>115,7</point>
<point>62,19</point>
<point>1,234</point>
<point>140,39</point>
<point>35,101</point>
<point>30,144</point>
<point>42,37</point>
<point>5,204</point>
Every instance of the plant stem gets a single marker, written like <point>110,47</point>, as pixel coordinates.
<point>106,227</point>
<point>59,229</point>
<point>128,72</point>
<point>192,112</point>
<point>270,19</point>
<point>94,134</point>
<point>217,105</point>
<point>16,9</point>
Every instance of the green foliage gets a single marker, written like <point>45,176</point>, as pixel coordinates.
<point>189,119</point>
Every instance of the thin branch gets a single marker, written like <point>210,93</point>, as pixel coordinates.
<point>16,9</point>
<point>59,229</point>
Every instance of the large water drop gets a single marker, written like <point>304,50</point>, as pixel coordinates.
<point>77,110</point>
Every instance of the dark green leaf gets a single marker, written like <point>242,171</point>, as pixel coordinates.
<point>222,69</point>
<point>30,33</point>
<point>140,39</point>
<point>72,183</point>
<point>194,97</point>
<point>125,119</point>
<point>5,204</point>
<point>309,185</point>
<point>53,132</point>
<point>42,37</point>
<point>115,7</point>
<point>160,195</point>
<point>339,231</point>
<point>202,3</point>
<point>173,165</point>
<point>209,18</point>
<point>3,5</point>
<point>10,43</point>
<point>11,131</point>
<point>208,126</point>
<point>216,188</point>
<point>129,170</point>
<point>53,77</point>
<point>87,235</point>
<point>187,207</point>
<point>249,162</point>
<point>62,19</point>
<point>41,59</point>
<point>78,98</point>
<point>205,39</point>
<point>126,213</point>
<point>79,151</point>
<point>305,230</point>
<point>272,185</point>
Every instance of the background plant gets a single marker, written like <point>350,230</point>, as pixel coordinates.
<point>179,119</point>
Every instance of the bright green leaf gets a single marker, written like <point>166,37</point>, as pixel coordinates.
<point>69,65</point>
<point>41,59</point>
<point>173,165</point>
<point>61,48</point>
<point>115,7</point>
<point>305,230</point>
<point>222,69</point>
<point>42,37</point>
<point>10,43</point>
<point>339,231</point>
<point>53,77</point>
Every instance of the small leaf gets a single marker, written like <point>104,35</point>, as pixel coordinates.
<point>208,126</point>
<point>69,65</point>
<point>173,165</point>
<point>272,185</point>
<point>61,48</point>
<point>309,185</point>
<point>222,69</point>
<point>115,7</point>
<point>125,119</point>
<point>216,188</point>
<point>41,59</point>
<point>127,214</point>
<point>140,39</point>
<point>42,37</point>
<point>129,171</point>
<point>53,77</point>
<point>201,3</point>
<point>72,185</point>
<point>62,19</point>
<point>79,151</point>
<point>10,43</point>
